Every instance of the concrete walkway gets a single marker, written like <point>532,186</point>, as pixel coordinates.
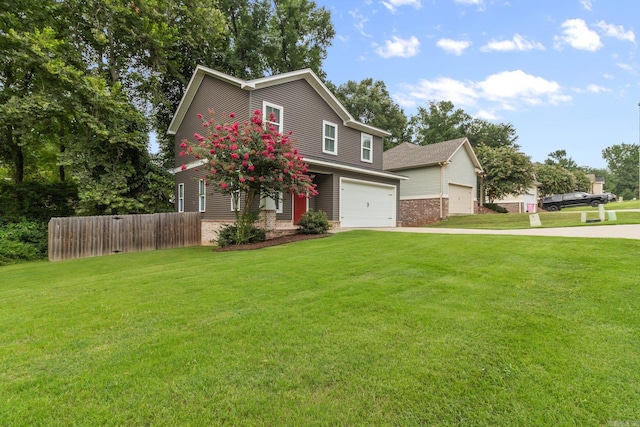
<point>629,231</point>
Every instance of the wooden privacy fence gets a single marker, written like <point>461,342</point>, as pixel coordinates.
<point>80,237</point>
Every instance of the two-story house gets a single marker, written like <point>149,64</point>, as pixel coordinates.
<point>344,155</point>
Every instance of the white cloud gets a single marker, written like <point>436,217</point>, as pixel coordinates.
<point>625,67</point>
<point>479,3</point>
<point>399,47</point>
<point>586,4</point>
<point>519,87</point>
<point>517,43</point>
<point>442,88</point>
<point>360,20</point>
<point>457,47</point>
<point>592,88</point>
<point>508,90</point>
<point>393,5</point>
<point>486,115</point>
<point>577,35</point>
<point>616,31</point>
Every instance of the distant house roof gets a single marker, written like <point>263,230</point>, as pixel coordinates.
<point>249,85</point>
<point>408,155</point>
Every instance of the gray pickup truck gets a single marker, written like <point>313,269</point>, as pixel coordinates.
<point>578,198</point>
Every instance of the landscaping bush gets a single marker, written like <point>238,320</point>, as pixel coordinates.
<point>229,235</point>
<point>314,222</point>
<point>37,201</point>
<point>496,208</point>
<point>22,241</point>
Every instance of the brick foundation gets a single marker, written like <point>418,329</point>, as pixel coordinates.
<point>418,212</point>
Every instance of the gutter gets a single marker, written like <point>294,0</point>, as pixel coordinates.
<point>442,166</point>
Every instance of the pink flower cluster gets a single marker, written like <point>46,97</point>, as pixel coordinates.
<point>250,156</point>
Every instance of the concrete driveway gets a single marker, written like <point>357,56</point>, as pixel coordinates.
<point>630,231</point>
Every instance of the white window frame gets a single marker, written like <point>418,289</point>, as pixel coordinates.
<point>279,202</point>
<point>235,195</point>
<point>325,137</point>
<point>363,137</point>
<point>181,197</point>
<point>265,115</point>
<point>202,195</point>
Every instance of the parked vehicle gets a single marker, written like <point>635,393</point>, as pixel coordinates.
<point>578,198</point>
<point>612,197</point>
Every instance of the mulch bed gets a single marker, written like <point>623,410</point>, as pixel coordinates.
<point>273,242</point>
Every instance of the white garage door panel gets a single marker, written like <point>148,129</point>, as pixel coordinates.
<point>365,204</point>
<point>460,199</point>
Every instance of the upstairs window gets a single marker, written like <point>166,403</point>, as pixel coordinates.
<point>329,138</point>
<point>272,115</point>
<point>202,196</point>
<point>366,144</point>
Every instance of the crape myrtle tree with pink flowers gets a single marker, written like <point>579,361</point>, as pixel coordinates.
<point>248,160</point>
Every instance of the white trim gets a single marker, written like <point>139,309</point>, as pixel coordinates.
<point>362,147</point>
<point>326,123</point>
<point>181,197</point>
<point>265,116</point>
<point>315,162</point>
<point>421,197</point>
<point>202,195</point>
<point>280,203</point>
<point>190,165</point>
<point>235,196</point>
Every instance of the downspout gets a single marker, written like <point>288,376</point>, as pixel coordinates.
<point>442,166</point>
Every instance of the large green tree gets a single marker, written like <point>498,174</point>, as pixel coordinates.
<point>561,160</point>
<point>442,121</point>
<point>508,171</point>
<point>369,102</point>
<point>52,98</point>
<point>622,162</point>
<point>32,79</point>
<point>554,179</point>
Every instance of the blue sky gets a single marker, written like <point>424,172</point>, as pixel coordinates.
<point>565,73</point>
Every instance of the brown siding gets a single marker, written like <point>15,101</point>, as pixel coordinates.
<point>303,113</point>
<point>218,96</point>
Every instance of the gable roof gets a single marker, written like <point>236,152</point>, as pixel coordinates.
<point>408,155</point>
<point>249,85</point>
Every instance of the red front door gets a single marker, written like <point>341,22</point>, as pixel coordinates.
<point>299,207</point>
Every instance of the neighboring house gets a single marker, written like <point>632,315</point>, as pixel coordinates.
<point>524,202</point>
<point>442,181</point>
<point>596,184</point>
<point>344,155</point>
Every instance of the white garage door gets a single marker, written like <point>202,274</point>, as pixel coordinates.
<point>367,204</point>
<point>460,199</point>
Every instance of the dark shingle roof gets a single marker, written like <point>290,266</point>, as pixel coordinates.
<point>408,155</point>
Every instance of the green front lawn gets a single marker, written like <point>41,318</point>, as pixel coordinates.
<point>361,328</point>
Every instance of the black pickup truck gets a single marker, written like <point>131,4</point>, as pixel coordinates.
<point>579,198</point>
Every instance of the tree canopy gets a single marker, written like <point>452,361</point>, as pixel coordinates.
<point>622,161</point>
<point>441,121</point>
<point>508,171</point>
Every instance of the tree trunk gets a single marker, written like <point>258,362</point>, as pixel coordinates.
<point>61,172</point>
